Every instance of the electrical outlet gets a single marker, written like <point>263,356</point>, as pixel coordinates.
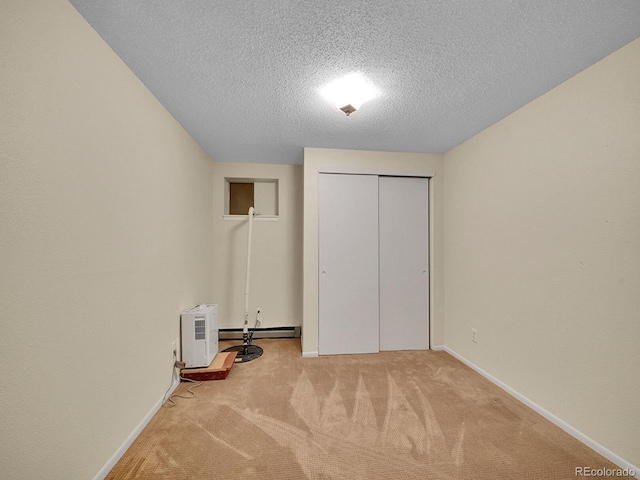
<point>474,335</point>
<point>175,347</point>
<point>175,352</point>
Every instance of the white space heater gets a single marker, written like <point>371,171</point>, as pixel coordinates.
<point>199,327</point>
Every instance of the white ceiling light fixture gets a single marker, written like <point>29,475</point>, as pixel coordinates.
<point>350,92</point>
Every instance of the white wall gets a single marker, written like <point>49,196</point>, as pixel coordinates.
<point>423,162</point>
<point>105,237</point>
<point>276,253</point>
<point>542,251</point>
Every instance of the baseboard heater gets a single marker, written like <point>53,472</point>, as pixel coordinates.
<point>267,332</point>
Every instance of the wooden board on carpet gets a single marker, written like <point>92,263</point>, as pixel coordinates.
<point>218,370</point>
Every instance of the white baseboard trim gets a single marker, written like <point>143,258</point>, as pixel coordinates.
<point>104,471</point>
<point>589,442</point>
<point>309,354</point>
<point>437,348</point>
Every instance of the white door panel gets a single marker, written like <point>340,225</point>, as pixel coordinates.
<point>404,263</point>
<point>348,264</point>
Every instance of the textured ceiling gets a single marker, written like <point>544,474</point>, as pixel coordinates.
<point>243,76</point>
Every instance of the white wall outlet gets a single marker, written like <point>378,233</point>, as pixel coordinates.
<point>175,347</point>
<point>474,335</point>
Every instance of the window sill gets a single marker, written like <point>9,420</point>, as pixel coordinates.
<point>256,218</point>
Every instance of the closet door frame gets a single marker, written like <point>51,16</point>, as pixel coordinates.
<point>393,173</point>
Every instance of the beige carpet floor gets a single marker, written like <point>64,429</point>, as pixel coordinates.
<point>392,415</point>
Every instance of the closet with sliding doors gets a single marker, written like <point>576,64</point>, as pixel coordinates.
<point>373,263</point>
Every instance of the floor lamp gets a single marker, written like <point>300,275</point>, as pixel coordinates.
<point>247,351</point>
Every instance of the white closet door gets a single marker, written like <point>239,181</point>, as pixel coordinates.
<point>404,263</point>
<point>348,264</point>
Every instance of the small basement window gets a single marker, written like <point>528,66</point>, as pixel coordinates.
<point>243,193</point>
<point>241,198</point>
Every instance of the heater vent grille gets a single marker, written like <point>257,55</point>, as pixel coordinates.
<point>200,333</point>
